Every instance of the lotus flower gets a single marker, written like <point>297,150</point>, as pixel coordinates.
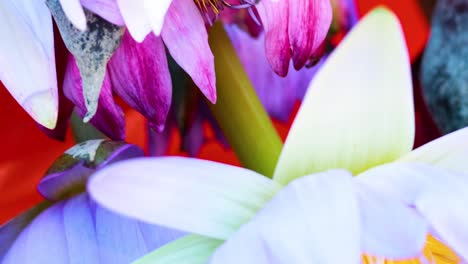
<point>313,211</point>
<point>71,228</point>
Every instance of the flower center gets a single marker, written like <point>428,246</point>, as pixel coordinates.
<point>434,252</point>
<point>216,6</point>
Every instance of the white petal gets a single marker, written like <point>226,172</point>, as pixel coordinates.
<point>445,207</point>
<point>315,219</point>
<point>75,13</point>
<point>156,12</point>
<point>192,249</point>
<point>449,152</point>
<point>27,59</point>
<point>197,196</point>
<point>390,229</point>
<point>358,111</point>
<point>134,15</point>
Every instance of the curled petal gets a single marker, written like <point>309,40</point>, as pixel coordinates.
<point>309,21</point>
<point>308,221</point>
<point>27,59</point>
<point>140,76</point>
<point>274,15</point>
<point>188,44</point>
<point>110,118</point>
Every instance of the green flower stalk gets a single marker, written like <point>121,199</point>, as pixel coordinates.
<point>238,110</point>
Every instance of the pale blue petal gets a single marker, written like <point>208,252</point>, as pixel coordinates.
<point>80,231</point>
<point>315,219</point>
<point>42,242</point>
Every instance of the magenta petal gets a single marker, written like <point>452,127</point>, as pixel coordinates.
<point>109,118</point>
<point>107,9</point>
<point>185,35</point>
<point>274,15</point>
<point>140,76</point>
<point>309,21</point>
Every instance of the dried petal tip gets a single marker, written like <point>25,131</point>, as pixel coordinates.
<point>43,108</point>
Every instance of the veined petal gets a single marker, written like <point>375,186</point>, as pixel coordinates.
<point>216,199</point>
<point>449,152</point>
<point>390,229</point>
<point>109,118</point>
<point>185,35</point>
<point>134,15</point>
<point>191,249</point>
<point>80,232</point>
<point>371,122</point>
<point>314,219</point>
<point>309,21</point>
<point>156,12</point>
<point>27,59</point>
<point>140,76</point>
<point>107,9</point>
<point>274,15</point>
<point>75,13</point>
<point>49,230</point>
<point>13,228</point>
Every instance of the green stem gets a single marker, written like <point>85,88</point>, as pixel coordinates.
<point>83,131</point>
<point>238,110</point>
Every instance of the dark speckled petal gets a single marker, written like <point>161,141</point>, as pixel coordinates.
<point>92,49</point>
<point>109,119</point>
<point>140,76</point>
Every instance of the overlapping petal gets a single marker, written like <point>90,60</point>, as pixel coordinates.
<point>75,13</point>
<point>27,59</point>
<point>371,122</point>
<point>213,199</point>
<point>140,76</point>
<point>107,9</point>
<point>187,43</point>
<point>109,118</point>
<point>308,221</point>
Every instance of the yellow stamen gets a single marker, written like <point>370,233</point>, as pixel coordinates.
<point>207,5</point>
<point>434,252</point>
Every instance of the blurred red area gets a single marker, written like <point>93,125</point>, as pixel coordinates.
<point>27,152</point>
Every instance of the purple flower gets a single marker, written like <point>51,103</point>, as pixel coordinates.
<point>71,228</point>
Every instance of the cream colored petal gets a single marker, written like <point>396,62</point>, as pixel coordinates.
<point>358,111</point>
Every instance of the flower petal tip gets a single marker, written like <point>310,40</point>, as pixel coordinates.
<point>43,108</point>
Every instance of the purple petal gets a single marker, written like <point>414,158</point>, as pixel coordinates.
<point>309,21</point>
<point>110,118</point>
<point>107,9</point>
<point>158,142</point>
<point>70,172</point>
<point>185,36</point>
<point>42,242</point>
<point>13,228</point>
<point>80,231</point>
<point>193,139</point>
<point>274,15</point>
<point>140,76</point>
<point>277,94</point>
<point>315,219</point>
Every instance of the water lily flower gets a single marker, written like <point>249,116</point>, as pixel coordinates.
<point>71,228</point>
<point>313,210</point>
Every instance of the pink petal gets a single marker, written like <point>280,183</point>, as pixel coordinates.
<point>274,15</point>
<point>309,21</point>
<point>109,118</point>
<point>133,13</point>
<point>186,38</point>
<point>107,9</point>
<point>140,76</point>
